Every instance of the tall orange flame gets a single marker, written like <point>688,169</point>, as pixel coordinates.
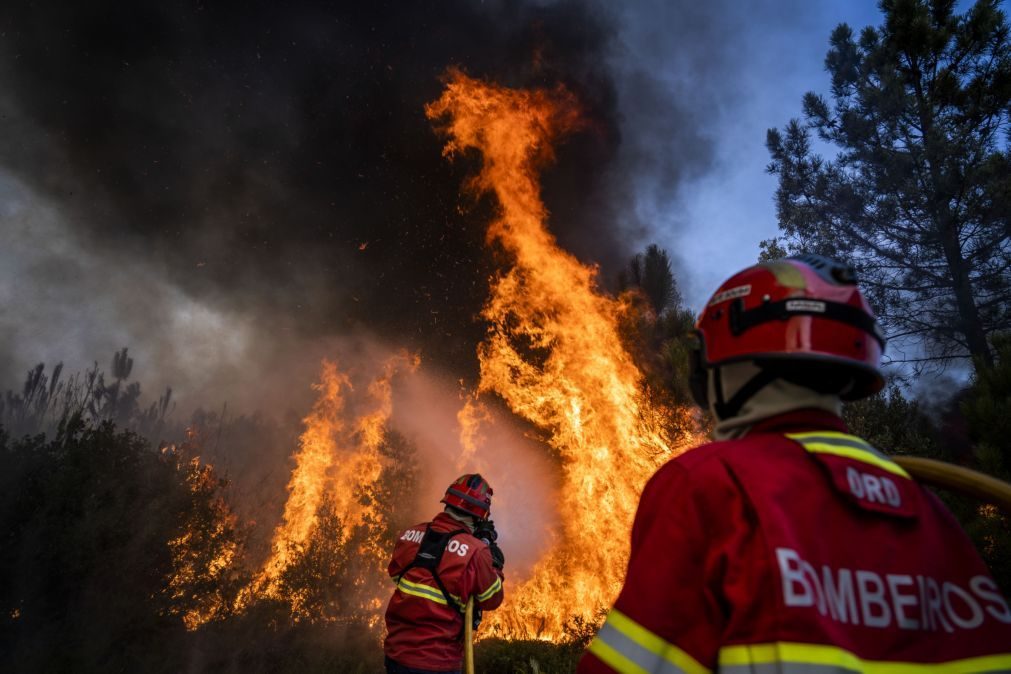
<point>554,354</point>
<point>323,430</point>
<point>338,452</point>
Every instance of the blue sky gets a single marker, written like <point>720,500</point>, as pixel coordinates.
<point>715,222</point>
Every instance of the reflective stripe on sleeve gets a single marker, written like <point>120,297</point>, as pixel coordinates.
<point>795,658</point>
<point>848,446</point>
<point>628,647</point>
<point>495,587</point>
<point>424,592</point>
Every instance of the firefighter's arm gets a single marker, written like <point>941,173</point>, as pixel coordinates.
<point>486,580</point>
<point>397,564</point>
<point>665,619</point>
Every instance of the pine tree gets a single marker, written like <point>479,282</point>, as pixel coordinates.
<point>651,273</point>
<point>919,195</point>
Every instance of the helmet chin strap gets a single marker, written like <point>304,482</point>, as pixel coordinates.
<point>726,409</point>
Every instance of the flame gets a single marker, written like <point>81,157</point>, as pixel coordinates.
<point>323,428</point>
<point>206,551</point>
<point>339,452</point>
<point>554,355</point>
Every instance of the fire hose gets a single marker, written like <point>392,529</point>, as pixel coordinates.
<point>958,479</point>
<point>468,637</point>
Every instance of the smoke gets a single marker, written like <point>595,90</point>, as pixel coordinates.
<point>269,163</point>
<point>225,187</point>
<point>698,85</point>
<point>523,478</point>
<point>237,190</point>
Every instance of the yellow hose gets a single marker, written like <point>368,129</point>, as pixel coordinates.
<point>958,479</point>
<point>468,637</point>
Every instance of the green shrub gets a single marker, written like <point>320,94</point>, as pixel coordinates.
<point>525,657</point>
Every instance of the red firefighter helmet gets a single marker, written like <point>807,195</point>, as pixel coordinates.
<point>802,318</point>
<point>470,493</point>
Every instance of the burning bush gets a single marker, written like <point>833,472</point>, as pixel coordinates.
<point>89,578</point>
<point>118,552</point>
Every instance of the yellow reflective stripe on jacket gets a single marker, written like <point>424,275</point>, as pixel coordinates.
<point>425,592</point>
<point>495,587</point>
<point>613,658</point>
<point>629,648</point>
<point>848,446</point>
<point>791,658</point>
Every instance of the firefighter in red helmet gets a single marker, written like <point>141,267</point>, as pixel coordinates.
<point>437,567</point>
<point>788,544</point>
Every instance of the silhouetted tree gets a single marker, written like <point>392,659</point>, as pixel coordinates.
<point>895,423</point>
<point>47,401</point>
<point>771,249</point>
<point>657,330</point>
<point>334,576</point>
<point>122,365</point>
<point>987,409</point>
<point>651,273</point>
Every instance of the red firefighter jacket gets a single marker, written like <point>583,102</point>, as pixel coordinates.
<point>799,548</point>
<point>423,629</point>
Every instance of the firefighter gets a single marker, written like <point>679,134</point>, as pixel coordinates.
<point>437,567</point>
<point>788,544</point>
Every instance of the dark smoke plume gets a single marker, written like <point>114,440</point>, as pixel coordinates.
<point>272,161</point>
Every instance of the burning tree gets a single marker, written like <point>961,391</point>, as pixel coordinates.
<point>344,505</point>
<point>658,330</point>
<point>107,544</point>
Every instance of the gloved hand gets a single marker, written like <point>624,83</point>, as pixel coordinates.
<point>497,558</point>
<point>478,614</point>
<point>485,531</point>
